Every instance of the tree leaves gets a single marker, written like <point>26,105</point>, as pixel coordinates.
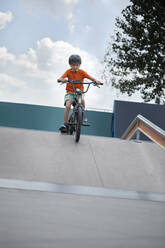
<point>135,59</point>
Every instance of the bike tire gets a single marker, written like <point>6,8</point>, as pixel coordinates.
<point>78,119</point>
<point>71,127</point>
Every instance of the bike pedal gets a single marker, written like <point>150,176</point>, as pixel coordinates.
<point>63,131</point>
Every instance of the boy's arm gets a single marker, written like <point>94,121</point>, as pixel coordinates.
<point>62,78</point>
<point>91,78</point>
<point>95,80</point>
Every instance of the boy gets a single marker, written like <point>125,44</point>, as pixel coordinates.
<point>78,75</point>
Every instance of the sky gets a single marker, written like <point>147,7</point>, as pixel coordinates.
<point>38,36</point>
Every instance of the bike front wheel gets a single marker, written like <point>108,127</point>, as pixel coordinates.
<point>71,126</point>
<point>78,123</point>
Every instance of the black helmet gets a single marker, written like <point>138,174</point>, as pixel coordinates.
<point>74,59</point>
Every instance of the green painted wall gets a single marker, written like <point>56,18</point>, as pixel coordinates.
<point>50,118</point>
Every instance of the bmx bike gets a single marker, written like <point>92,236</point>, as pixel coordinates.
<point>75,121</point>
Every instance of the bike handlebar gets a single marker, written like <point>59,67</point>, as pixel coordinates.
<point>73,82</point>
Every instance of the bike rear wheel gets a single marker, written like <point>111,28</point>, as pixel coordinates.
<point>78,123</point>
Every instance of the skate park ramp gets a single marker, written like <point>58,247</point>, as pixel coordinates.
<point>101,192</point>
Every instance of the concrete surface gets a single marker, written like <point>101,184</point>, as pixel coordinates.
<point>35,219</point>
<point>30,219</point>
<point>94,161</point>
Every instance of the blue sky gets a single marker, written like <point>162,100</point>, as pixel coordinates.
<point>93,23</point>
<point>36,39</point>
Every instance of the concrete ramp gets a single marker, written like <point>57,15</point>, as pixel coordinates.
<point>35,212</point>
<point>94,161</point>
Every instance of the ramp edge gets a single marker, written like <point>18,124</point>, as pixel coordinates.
<point>80,190</point>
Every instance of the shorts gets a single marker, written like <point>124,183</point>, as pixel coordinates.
<point>70,97</point>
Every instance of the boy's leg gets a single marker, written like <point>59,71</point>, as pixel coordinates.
<point>63,128</point>
<point>84,116</point>
<point>83,102</point>
<point>67,109</point>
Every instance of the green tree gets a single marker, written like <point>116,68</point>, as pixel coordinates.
<point>135,58</point>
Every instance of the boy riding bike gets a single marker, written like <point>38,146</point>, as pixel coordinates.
<point>78,75</point>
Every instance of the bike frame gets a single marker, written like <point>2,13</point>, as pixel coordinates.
<point>78,102</point>
<point>78,96</point>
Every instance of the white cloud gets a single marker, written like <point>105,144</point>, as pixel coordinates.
<point>32,77</point>
<point>55,8</point>
<point>71,22</point>
<point>40,69</point>
<point>8,82</point>
<point>5,56</point>
<point>5,17</point>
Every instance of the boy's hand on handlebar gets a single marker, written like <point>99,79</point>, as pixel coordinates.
<point>61,80</point>
<point>98,83</point>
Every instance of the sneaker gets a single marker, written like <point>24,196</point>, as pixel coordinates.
<point>63,128</point>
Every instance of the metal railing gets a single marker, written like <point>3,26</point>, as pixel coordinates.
<point>148,128</point>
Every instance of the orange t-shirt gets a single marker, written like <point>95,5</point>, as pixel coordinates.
<point>77,77</point>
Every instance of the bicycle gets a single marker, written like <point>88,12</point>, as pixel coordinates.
<point>75,120</point>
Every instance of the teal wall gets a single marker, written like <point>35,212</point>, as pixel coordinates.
<point>50,118</point>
